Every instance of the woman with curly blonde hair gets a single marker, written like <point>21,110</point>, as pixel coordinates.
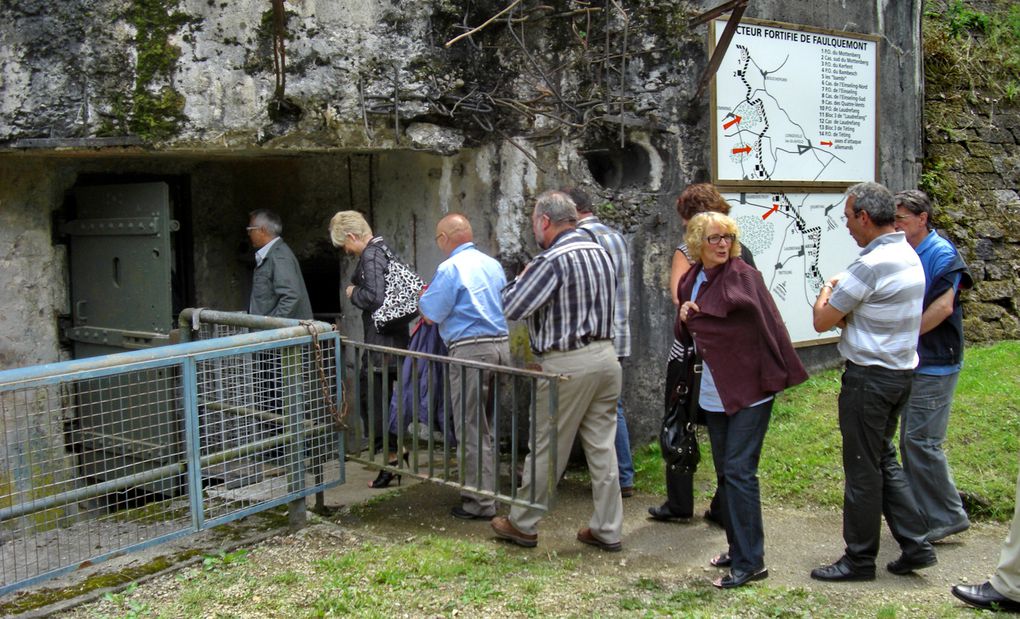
<point>724,301</point>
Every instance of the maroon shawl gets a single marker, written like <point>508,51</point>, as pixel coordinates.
<point>740,334</point>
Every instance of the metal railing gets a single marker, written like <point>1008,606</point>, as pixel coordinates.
<point>408,395</point>
<point>112,454</point>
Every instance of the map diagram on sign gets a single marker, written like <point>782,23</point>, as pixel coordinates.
<point>799,240</point>
<point>794,107</point>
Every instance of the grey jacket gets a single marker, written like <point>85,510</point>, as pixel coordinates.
<point>277,287</point>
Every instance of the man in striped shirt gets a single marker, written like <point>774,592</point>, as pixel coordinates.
<point>614,244</point>
<point>877,302</point>
<point>566,295</point>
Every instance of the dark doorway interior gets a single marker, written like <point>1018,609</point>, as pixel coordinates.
<point>322,278</point>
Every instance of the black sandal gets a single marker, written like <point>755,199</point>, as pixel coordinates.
<point>721,560</point>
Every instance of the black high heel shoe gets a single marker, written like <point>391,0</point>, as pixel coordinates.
<point>385,478</point>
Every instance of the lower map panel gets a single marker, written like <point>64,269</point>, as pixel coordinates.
<point>799,240</point>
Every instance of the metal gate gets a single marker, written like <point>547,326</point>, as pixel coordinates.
<point>416,404</point>
<point>416,410</point>
<point>54,518</point>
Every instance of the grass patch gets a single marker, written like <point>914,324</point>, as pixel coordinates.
<point>968,49</point>
<point>429,576</point>
<point>801,463</point>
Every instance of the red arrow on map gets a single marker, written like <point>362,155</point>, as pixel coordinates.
<point>775,207</point>
<point>744,149</point>
<point>826,143</point>
<point>736,120</point>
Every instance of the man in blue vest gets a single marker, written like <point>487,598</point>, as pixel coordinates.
<point>940,349</point>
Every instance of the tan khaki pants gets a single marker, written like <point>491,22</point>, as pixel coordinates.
<point>587,408</point>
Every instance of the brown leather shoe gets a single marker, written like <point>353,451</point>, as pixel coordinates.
<point>626,491</point>
<point>505,529</point>
<point>585,536</point>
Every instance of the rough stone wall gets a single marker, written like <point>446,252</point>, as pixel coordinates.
<point>503,115</point>
<point>972,166</point>
<point>32,271</point>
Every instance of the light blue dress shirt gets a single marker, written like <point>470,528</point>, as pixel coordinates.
<point>464,298</point>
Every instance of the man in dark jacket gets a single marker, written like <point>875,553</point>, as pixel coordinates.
<point>940,349</point>
<point>277,288</point>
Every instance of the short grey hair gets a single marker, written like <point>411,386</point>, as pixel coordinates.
<point>875,200</point>
<point>557,206</point>
<point>580,198</point>
<point>917,202</point>
<point>267,220</point>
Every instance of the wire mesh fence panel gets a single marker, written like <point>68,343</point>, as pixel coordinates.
<point>111,454</point>
<point>90,467</point>
<point>266,426</point>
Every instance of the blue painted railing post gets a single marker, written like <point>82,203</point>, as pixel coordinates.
<point>189,380</point>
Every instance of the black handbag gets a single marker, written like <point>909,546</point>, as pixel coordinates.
<point>400,301</point>
<point>678,438</point>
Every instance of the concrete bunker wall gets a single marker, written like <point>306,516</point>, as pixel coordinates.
<point>235,158</point>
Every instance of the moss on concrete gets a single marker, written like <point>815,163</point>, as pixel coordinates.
<point>45,597</point>
<point>157,109</point>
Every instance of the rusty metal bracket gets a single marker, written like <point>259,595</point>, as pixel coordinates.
<point>737,7</point>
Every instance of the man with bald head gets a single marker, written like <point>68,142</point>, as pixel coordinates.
<point>464,299</point>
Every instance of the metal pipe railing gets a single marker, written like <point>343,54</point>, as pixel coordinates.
<point>54,372</point>
<point>531,379</point>
<point>189,319</point>
<point>167,471</point>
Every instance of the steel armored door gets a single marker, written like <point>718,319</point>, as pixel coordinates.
<point>120,263</point>
<point>120,268</point>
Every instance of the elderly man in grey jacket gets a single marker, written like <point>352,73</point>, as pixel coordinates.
<point>277,287</point>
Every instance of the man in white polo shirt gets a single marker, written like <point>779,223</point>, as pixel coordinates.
<point>877,302</point>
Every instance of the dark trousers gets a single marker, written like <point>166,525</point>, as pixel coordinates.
<point>870,402</point>
<point>736,449</point>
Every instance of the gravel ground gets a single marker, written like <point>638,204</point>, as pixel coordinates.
<point>796,541</point>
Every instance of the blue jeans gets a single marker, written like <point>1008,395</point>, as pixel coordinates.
<point>736,449</point>
<point>623,456</point>
<point>870,402</point>
<point>922,432</point>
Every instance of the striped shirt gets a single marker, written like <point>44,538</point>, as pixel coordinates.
<point>612,241</point>
<point>882,294</point>
<point>566,294</point>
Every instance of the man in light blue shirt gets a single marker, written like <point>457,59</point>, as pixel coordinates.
<point>464,299</point>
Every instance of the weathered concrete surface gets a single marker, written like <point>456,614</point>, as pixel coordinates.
<point>362,79</point>
<point>33,272</point>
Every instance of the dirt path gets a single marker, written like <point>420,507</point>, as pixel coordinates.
<point>796,541</point>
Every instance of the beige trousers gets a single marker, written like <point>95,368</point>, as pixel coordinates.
<point>472,419</point>
<point>587,408</point>
<point>1007,576</point>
